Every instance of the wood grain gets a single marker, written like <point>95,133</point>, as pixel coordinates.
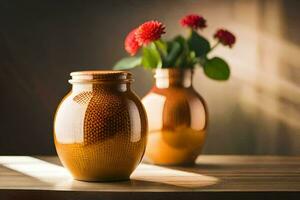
<point>212,177</point>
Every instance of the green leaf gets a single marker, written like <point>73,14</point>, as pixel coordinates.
<point>151,57</point>
<point>174,50</point>
<point>191,59</point>
<point>161,47</point>
<point>182,41</point>
<point>181,60</point>
<point>198,44</point>
<point>187,58</point>
<point>128,63</point>
<point>216,68</point>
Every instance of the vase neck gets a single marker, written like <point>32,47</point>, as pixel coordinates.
<point>166,78</point>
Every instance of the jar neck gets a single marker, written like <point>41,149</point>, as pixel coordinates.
<point>166,78</point>
<point>99,80</point>
<point>109,87</point>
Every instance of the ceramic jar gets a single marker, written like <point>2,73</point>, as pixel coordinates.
<point>100,127</point>
<point>177,117</point>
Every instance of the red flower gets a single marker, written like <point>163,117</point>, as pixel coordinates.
<point>149,32</point>
<point>131,45</point>
<point>225,37</point>
<point>193,21</point>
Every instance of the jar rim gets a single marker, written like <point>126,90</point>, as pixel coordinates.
<point>100,76</point>
<point>172,72</point>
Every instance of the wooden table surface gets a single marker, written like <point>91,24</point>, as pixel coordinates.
<point>214,177</point>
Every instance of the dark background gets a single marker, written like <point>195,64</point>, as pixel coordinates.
<point>256,112</point>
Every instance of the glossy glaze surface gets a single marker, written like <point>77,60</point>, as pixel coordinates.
<point>100,127</point>
<point>177,118</point>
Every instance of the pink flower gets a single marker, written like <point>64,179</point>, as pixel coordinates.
<point>131,44</point>
<point>225,37</point>
<point>193,21</point>
<point>149,32</point>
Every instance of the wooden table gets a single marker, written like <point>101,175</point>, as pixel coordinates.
<point>214,177</point>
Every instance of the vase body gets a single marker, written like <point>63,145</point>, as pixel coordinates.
<point>100,127</point>
<point>177,118</point>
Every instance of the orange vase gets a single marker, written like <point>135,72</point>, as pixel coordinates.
<point>100,127</point>
<point>177,117</point>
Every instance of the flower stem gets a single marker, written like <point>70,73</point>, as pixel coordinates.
<point>201,60</point>
<point>213,47</point>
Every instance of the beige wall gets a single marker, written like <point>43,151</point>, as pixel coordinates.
<point>256,112</point>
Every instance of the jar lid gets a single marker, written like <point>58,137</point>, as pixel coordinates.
<point>100,76</point>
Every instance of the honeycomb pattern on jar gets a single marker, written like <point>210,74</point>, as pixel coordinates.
<point>106,116</point>
<point>83,97</point>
